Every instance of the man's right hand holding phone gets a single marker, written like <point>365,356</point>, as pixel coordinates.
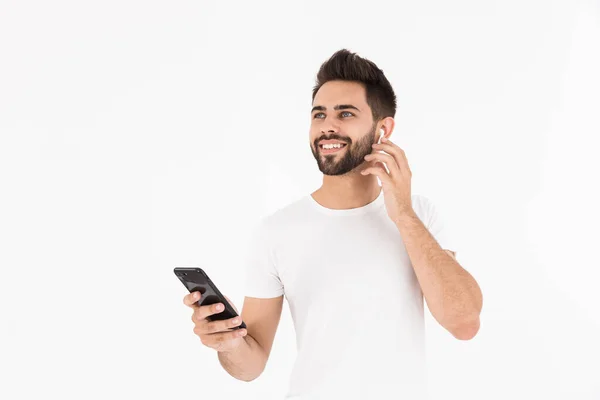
<point>217,334</point>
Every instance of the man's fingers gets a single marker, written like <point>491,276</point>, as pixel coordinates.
<point>386,160</point>
<point>397,152</point>
<point>222,325</point>
<point>215,339</point>
<point>379,171</point>
<point>191,299</point>
<point>204,311</point>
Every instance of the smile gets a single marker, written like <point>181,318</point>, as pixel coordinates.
<point>330,149</point>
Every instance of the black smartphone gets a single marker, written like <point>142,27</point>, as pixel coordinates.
<point>196,280</point>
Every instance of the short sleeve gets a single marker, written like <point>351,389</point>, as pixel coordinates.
<point>435,223</point>
<point>262,279</point>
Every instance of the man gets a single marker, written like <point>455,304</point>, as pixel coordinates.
<point>354,259</point>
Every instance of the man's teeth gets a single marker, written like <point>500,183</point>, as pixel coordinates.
<point>333,146</point>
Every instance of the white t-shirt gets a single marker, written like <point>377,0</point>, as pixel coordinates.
<point>355,301</point>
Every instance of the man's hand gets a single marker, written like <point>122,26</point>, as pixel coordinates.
<point>217,334</point>
<point>396,183</point>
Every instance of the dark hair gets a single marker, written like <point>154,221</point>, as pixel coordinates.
<point>347,66</point>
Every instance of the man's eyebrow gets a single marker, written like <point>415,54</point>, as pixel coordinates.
<point>338,107</point>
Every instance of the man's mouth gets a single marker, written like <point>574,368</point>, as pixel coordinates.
<point>331,148</point>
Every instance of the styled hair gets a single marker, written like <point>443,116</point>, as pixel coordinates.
<point>344,65</point>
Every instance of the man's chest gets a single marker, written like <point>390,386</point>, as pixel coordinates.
<point>370,263</point>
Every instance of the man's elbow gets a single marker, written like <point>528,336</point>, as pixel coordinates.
<point>466,330</point>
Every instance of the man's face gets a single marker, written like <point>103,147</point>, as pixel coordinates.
<point>340,114</point>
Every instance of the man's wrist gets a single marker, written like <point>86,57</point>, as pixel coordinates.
<point>406,217</point>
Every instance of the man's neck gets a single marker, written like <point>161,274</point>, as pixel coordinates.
<point>347,192</point>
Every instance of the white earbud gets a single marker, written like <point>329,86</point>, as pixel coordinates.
<point>381,133</point>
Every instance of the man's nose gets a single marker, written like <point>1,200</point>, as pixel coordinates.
<point>329,128</point>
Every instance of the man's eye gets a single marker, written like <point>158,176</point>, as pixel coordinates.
<point>343,114</point>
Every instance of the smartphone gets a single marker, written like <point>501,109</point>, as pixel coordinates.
<point>196,280</point>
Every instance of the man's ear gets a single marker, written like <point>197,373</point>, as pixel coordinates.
<point>387,124</point>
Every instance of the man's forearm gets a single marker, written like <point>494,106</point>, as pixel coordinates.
<point>246,362</point>
<point>453,296</point>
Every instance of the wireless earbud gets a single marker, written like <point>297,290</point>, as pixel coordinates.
<point>381,134</point>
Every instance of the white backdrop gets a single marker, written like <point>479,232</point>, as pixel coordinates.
<point>137,136</point>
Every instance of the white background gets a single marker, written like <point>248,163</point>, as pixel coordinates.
<point>137,136</point>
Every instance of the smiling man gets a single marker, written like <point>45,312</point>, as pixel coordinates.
<point>354,259</point>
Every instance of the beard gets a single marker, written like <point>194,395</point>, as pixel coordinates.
<point>347,159</point>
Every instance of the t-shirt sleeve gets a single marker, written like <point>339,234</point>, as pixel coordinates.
<point>262,279</point>
<point>436,224</point>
